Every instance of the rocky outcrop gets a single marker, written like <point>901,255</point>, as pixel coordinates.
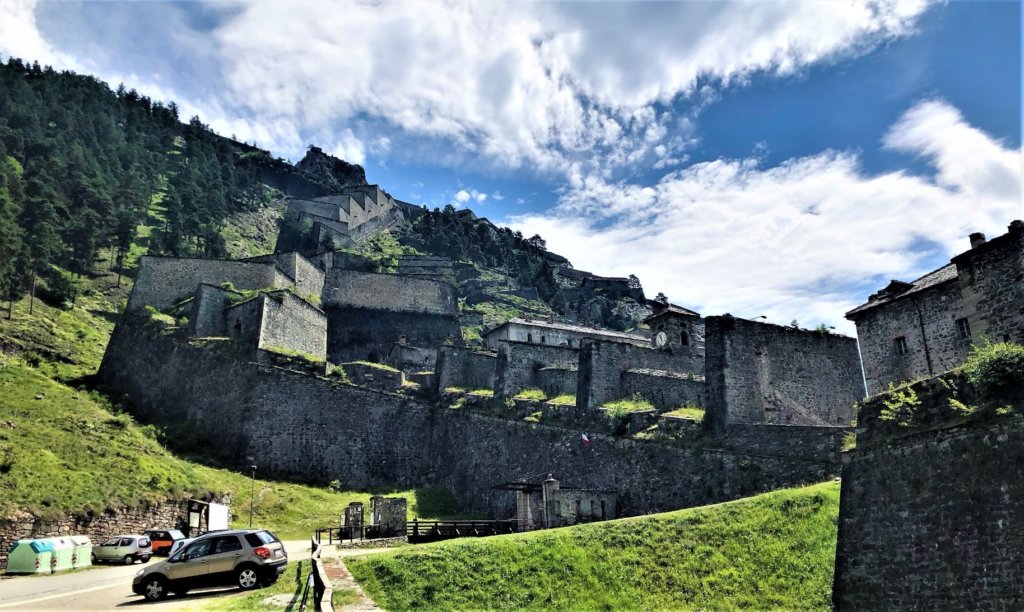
<point>331,172</point>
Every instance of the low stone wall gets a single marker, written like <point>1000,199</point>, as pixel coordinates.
<point>373,543</point>
<point>823,443</point>
<point>374,377</point>
<point>170,514</point>
<point>520,366</point>
<point>465,368</point>
<point>666,390</point>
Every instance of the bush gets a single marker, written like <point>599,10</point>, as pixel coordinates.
<point>997,372</point>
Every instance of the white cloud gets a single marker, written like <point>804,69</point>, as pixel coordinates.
<point>462,196</point>
<point>20,37</point>
<point>795,240</point>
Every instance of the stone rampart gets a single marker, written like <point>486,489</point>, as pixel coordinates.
<point>602,365</point>
<point>387,292</point>
<point>293,324</point>
<point>521,365</point>
<point>931,513</point>
<point>163,281</point>
<point>764,373</point>
<point>466,368</point>
<point>823,443</point>
<point>316,429</point>
<point>358,334</point>
<point>665,390</point>
<point>207,316</point>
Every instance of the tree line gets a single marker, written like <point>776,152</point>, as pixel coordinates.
<point>82,166</point>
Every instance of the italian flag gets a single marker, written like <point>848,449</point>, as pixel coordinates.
<point>586,441</point>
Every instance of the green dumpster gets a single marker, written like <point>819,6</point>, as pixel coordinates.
<point>83,551</point>
<point>63,554</point>
<point>29,557</point>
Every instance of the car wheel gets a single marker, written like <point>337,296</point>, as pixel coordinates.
<point>144,559</point>
<point>154,589</point>
<point>247,578</point>
<point>128,560</point>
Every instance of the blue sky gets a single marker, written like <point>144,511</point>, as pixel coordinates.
<point>771,158</point>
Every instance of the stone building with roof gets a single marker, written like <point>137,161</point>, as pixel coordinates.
<point>925,327</point>
<point>551,333</point>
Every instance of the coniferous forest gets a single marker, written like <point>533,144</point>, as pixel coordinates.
<point>82,165</point>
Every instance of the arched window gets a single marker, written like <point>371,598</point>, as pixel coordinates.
<point>529,337</point>
<point>543,340</point>
<point>684,338</point>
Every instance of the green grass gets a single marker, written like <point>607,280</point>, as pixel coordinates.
<point>287,352</point>
<point>531,394</point>
<point>482,392</point>
<point>68,452</point>
<point>377,366</point>
<point>688,412</point>
<point>632,404</point>
<point>772,551</point>
<point>563,400</point>
<point>293,582</point>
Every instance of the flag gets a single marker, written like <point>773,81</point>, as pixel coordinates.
<point>586,441</point>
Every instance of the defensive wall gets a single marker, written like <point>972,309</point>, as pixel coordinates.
<point>388,292</point>
<point>208,305</point>
<point>307,277</point>
<point>609,369</point>
<point>521,365</point>
<point>466,368</point>
<point>291,323</point>
<point>764,373</point>
<point>931,511</point>
<point>315,429</point>
<point>163,281</point>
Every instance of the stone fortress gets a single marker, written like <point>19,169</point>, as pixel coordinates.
<point>303,384</point>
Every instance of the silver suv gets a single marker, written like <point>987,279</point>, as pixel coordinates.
<point>246,558</point>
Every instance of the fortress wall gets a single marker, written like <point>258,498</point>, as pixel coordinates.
<point>309,277</point>
<point>387,292</point>
<point>764,373</point>
<point>162,281</point>
<point>662,389</point>
<point>207,317</point>
<point>555,381</point>
<point>318,209</point>
<point>292,323</point>
<point>942,502</point>
<point>786,440</point>
<point>357,333</point>
<point>244,321</point>
<point>465,368</point>
<point>603,363</point>
<point>316,430</point>
<point>519,366</point>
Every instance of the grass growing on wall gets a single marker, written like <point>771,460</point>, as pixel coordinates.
<point>531,394</point>
<point>631,404</point>
<point>63,450</point>
<point>688,412</point>
<point>772,551</point>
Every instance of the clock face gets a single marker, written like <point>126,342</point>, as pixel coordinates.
<point>661,339</point>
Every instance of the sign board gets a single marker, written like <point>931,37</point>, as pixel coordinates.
<point>193,519</point>
<point>217,517</point>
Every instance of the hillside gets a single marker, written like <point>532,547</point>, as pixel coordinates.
<point>770,551</point>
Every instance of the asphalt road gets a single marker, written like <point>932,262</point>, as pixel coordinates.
<point>105,588</point>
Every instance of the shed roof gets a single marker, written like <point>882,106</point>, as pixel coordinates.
<point>897,290</point>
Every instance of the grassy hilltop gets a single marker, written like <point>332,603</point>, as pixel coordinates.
<point>771,551</point>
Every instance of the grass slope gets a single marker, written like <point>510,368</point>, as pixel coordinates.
<point>63,450</point>
<point>766,552</point>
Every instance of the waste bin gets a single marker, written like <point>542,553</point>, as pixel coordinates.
<point>29,557</point>
<point>63,553</point>
<point>83,551</point>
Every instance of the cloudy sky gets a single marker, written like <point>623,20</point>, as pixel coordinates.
<point>762,158</point>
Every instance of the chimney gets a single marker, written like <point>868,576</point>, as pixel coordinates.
<point>977,239</point>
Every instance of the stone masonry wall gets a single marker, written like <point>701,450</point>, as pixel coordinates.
<point>292,323</point>
<point>764,373</point>
<point>934,312</point>
<point>207,316</point>
<point>931,516</point>
<point>465,368</point>
<point>162,281</point>
<point>991,280</point>
<point>665,390</point>
<point>387,292</point>
<point>355,334</point>
<point>315,429</point>
<point>519,366</point>
<point>602,365</point>
<point>170,514</point>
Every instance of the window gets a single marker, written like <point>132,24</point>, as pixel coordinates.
<point>529,337</point>
<point>226,544</point>
<point>901,345</point>
<point>196,550</point>
<point>963,329</point>
<point>684,338</point>
<point>543,340</point>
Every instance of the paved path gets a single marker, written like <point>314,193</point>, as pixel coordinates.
<point>105,588</point>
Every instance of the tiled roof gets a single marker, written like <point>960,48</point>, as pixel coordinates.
<point>944,274</point>
<point>672,308</point>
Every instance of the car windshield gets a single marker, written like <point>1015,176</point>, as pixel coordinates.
<point>112,542</point>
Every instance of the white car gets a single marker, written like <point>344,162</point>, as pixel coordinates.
<point>126,549</point>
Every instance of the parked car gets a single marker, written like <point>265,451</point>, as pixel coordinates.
<point>178,544</point>
<point>124,548</point>
<point>163,540</point>
<point>246,558</point>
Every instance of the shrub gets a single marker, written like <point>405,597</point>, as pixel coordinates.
<point>997,372</point>
<point>900,405</point>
